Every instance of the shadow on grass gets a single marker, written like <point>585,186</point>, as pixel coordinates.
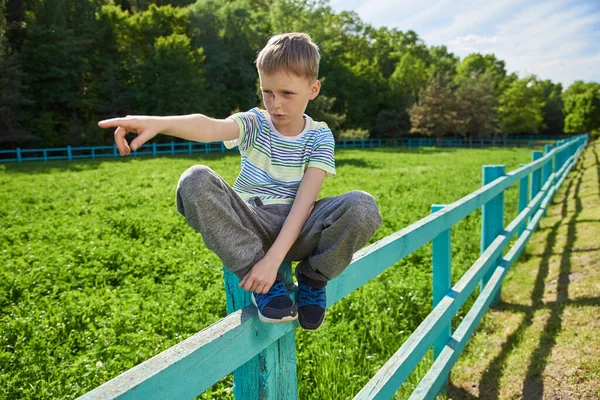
<point>581,221</point>
<point>533,387</point>
<point>489,384</point>
<point>355,162</point>
<point>573,250</point>
<point>86,164</point>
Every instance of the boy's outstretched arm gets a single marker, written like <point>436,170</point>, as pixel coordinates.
<point>194,127</point>
<point>262,275</point>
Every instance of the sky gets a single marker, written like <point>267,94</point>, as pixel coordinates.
<point>553,39</point>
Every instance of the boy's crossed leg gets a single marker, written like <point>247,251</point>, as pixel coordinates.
<point>240,233</point>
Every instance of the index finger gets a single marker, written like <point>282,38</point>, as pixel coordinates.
<point>113,122</point>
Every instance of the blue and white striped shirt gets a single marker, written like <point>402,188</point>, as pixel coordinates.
<point>273,164</point>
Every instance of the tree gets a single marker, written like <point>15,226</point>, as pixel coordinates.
<point>321,110</point>
<point>67,63</point>
<point>581,107</point>
<point>476,64</point>
<point>442,62</point>
<point>110,72</point>
<point>409,77</point>
<point>12,99</point>
<point>390,123</point>
<point>53,66</point>
<point>476,107</point>
<point>521,107</point>
<point>435,113</point>
<point>553,107</point>
<point>172,79</point>
<point>583,111</point>
<point>229,34</point>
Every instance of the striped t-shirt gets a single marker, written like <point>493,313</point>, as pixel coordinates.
<point>273,164</point>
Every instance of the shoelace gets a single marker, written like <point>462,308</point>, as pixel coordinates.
<point>278,289</point>
<point>308,296</point>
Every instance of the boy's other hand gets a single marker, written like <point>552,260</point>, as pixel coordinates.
<point>143,126</point>
<point>261,276</point>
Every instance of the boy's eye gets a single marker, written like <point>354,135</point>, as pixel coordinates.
<point>287,93</point>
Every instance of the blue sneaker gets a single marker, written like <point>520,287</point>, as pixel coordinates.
<point>276,306</point>
<point>312,303</point>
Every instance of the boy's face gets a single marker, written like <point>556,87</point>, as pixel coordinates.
<point>286,96</point>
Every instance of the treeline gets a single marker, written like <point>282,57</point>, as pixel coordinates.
<point>64,65</point>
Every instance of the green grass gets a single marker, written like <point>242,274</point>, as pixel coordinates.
<point>99,272</point>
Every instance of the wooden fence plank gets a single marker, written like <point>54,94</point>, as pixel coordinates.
<point>442,281</point>
<point>492,214</point>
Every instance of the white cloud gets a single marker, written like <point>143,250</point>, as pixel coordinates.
<point>554,39</point>
<point>472,40</point>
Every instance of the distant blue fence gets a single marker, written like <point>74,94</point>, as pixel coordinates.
<point>173,148</point>
<point>263,358</point>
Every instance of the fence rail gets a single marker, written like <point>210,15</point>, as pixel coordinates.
<point>262,356</point>
<point>173,148</point>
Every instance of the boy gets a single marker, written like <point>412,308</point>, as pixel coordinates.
<point>271,214</point>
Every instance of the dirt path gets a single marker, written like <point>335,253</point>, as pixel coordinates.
<point>543,340</point>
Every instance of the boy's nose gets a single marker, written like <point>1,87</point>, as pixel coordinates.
<point>277,102</point>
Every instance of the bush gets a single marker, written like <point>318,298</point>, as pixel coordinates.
<point>357,133</point>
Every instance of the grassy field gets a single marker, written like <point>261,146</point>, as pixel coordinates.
<point>99,272</point>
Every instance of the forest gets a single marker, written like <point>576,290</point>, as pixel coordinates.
<point>65,64</point>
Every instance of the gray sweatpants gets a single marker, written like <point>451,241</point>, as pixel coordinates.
<point>241,233</point>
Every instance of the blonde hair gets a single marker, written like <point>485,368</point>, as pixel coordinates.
<point>294,52</point>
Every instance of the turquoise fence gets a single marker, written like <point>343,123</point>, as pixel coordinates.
<point>173,148</point>
<point>262,357</point>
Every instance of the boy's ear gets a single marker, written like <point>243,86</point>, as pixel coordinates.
<point>315,88</point>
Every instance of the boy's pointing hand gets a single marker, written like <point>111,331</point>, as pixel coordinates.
<point>145,127</point>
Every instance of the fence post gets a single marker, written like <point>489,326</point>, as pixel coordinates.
<point>523,196</point>
<point>560,155</point>
<point>93,153</point>
<point>69,154</point>
<point>549,166</point>
<point>154,149</point>
<point>536,176</point>
<point>172,148</point>
<point>114,150</point>
<point>189,147</point>
<point>272,373</point>
<point>492,221</point>
<point>19,158</point>
<point>442,283</point>
<point>45,156</point>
